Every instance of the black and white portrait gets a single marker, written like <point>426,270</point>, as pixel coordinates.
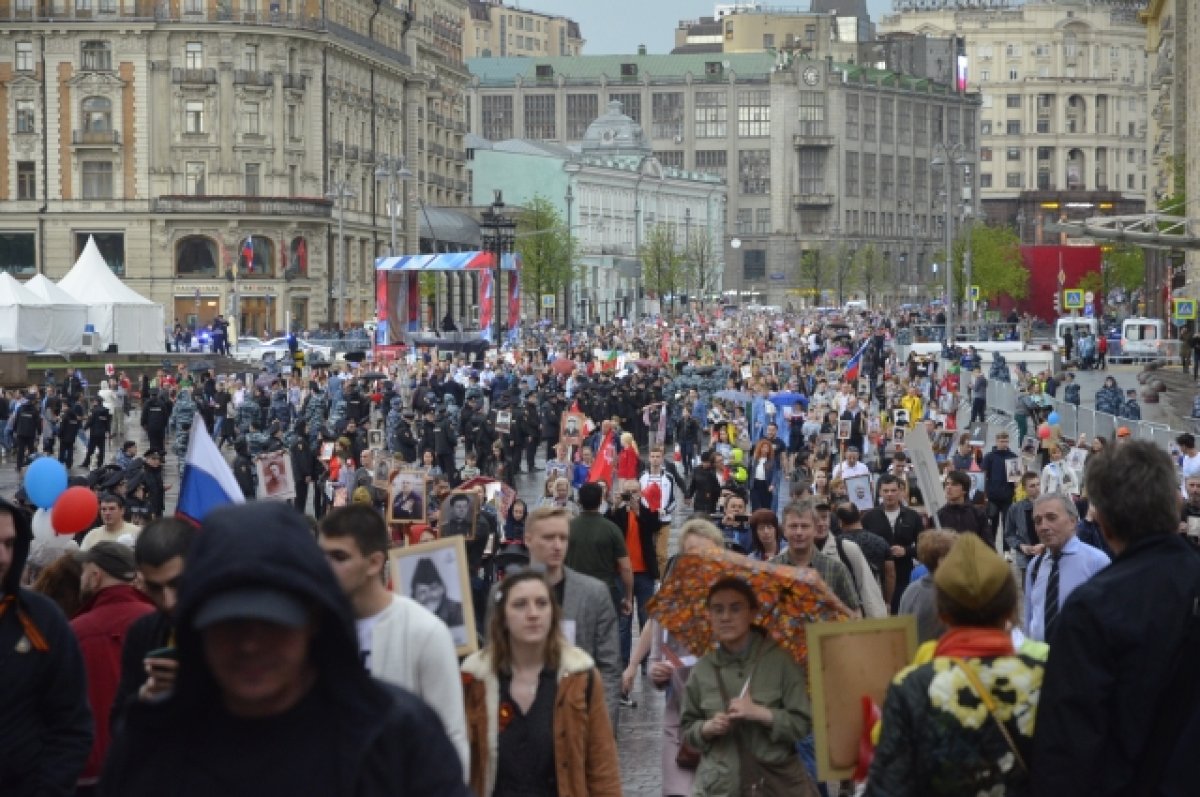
<point>275,476</point>
<point>458,514</point>
<point>435,575</point>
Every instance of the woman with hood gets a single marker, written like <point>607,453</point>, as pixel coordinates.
<point>1108,397</point>
<point>271,695</point>
<point>537,722</point>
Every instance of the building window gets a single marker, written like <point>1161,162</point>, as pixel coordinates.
<point>97,114</point>
<point>250,58</point>
<point>1012,180</point>
<point>95,56</point>
<point>812,171</point>
<point>24,6</point>
<point>812,113</point>
<point>887,176</point>
<point>1012,75</point>
<point>97,179</point>
<point>985,75</point>
<point>952,126</point>
<point>745,221</point>
<point>26,180</point>
<point>852,117</point>
<point>754,171</point>
<point>193,175</point>
<point>582,110</point>
<point>24,59</point>
<point>1012,154</point>
<point>920,121</point>
<point>631,104</point>
<point>250,119</point>
<point>666,114</point>
<point>920,178</point>
<point>868,127</point>
<point>1043,125</point>
<point>193,117</point>
<point>904,123</point>
<point>768,41</point>
<point>193,55</point>
<point>253,188</point>
<point>903,177</point>
<point>754,264</point>
<point>1012,101</point>
<point>193,6</point>
<point>851,174</point>
<point>671,159</point>
<point>869,175</point>
<point>985,180</point>
<point>293,180</point>
<point>1012,127</point>
<point>497,117</point>
<point>1045,153</point>
<point>1012,51</point>
<point>539,116</point>
<point>711,114</point>
<point>26,117</point>
<point>762,221</point>
<point>196,256</point>
<point>711,161</point>
<point>886,121</point>
<point>985,154</point>
<point>293,129</point>
<point>754,114</point>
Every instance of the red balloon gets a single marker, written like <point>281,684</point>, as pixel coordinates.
<point>1044,431</point>
<point>74,511</point>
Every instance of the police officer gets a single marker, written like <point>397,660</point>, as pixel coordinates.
<point>98,423</point>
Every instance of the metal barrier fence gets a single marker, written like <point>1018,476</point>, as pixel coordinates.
<point>1074,421</point>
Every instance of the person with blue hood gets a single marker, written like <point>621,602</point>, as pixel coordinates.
<point>45,723</point>
<point>271,696</point>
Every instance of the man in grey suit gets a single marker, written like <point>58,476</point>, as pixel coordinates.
<point>589,618</point>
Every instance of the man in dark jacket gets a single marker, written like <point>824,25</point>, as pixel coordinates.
<point>156,414</point>
<point>959,514</point>
<point>999,489</point>
<point>900,527</point>
<point>26,425</point>
<point>304,466</point>
<point>269,664</point>
<point>45,723</point>
<point>98,424</point>
<point>1120,706</point>
<point>705,488</point>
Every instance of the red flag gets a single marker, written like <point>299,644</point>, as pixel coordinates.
<point>605,463</point>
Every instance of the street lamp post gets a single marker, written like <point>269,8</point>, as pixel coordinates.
<point>339,192</point>
<point>393,172</point>
<point>954,156</point>
<point>687,254</point>
<point>499,236</point>
<point>570,318</point>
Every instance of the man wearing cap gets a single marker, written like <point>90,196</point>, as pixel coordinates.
<point>110,605</point>
<point>1065,564</point>
<point>45,725</point>
<point>272,696</point>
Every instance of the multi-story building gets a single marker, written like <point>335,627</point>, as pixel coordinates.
<point>440,161</point>
<point>827,29</point>
<point>494,30</point>
<point>219,152</point>
<point>612,192</point>
<point>1064,119</point>
<point>1167,134</point>
<point>811,153</point>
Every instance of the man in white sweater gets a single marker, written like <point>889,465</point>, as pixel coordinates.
<point>401,642</point>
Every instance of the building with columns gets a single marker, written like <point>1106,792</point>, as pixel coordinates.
<point>1065,107</point>
<point>214,148</point>
<point>612,192</point>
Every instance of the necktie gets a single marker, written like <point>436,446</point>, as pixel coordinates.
<point>1050,608</point>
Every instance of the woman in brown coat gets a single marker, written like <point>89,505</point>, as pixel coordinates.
<point>536,718</point>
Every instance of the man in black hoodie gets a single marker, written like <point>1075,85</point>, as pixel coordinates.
<point>45,723</point>
<point>271,697</point>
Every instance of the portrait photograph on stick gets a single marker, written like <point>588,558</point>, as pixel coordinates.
<point>275,476</point>
<point>458,515</point>
<point>435,575</point>
<point>407,502</point>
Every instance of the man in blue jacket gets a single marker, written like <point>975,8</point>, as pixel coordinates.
<point>45,723</point>
<point>1000,491</point>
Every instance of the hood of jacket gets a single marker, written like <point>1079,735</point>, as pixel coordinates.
<point>267,544</point>
<point>23,524</point>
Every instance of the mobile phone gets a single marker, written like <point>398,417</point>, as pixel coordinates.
<point>626,496</point>
<point>164,653</point>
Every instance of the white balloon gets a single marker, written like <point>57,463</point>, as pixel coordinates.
<point>43,529</point>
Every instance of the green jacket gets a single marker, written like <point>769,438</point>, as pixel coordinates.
<point>778,683</point>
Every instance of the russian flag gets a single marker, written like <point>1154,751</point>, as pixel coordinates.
<point>208,481</point>
<point>248,253</point>
<point>852,367</point>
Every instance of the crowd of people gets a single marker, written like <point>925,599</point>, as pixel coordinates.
<point>1054,583</point>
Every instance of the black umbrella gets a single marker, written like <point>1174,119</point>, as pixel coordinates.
<point>373,375</point>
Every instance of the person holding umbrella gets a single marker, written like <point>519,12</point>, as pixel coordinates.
<point>745,705</point>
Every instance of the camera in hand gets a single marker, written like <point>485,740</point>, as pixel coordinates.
<point>626,496</point>
<point>742,518</point>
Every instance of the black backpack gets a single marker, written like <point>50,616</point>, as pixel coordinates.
<point>26,423</point>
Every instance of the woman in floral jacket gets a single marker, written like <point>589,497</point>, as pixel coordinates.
<point>537,722</point>
<point>962,724</point>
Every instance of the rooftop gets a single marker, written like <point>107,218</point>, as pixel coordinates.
<point>591,68</point>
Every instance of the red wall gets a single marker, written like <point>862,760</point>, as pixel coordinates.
<point>1042,263</point>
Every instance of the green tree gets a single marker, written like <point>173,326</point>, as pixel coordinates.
<point>845,271</point>
<point>1124,267</point>
<point>813,272</point>
<point>545,249</point>
<point>427,285</point>
<point>996,265</point>
<point>702,269</point>
<point>662,263</point>
<point>872,270</point>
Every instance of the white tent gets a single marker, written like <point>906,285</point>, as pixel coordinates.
<point>67,315</point>
<point>121,315</point>
<point>24,320</point>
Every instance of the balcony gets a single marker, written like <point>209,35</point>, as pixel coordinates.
<point>297,82</point>
<point>806,140</point>
<point>802,201</point>
<point>246,77</point>
<point>318,208</point>
<point>201,77</point>
<point>336,149</point>
<point>95,138</point>
<point>352,153</point>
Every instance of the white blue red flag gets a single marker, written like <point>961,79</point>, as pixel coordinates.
<point>208,481</point>
<point>854,365</point>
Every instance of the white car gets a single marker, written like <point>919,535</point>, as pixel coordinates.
<point>254,350</point>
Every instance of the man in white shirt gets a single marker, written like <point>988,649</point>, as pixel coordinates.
<point>657,474</point>
<point>850,467</point>
<point>400,641</point>
<point>112,524</point>
<point>1189,460</point>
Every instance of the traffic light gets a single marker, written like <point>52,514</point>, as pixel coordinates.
<point>1058,302</point>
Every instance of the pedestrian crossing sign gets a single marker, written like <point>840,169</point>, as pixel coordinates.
<point>1073,299</point>
<point>1185,309</point>
<point>973,293</point>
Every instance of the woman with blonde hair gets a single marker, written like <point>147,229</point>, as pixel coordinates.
<point>537,722</point>
<point>762,475</point>
<point>628,461</point>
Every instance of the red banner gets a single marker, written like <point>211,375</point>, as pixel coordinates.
<point>605,465</point>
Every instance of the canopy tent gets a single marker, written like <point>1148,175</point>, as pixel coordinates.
<point>67,315</point>
<point>397,290</point>
<point>24,321</point>
<point>120,315</point>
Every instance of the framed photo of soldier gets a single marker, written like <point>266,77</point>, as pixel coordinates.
<point>1013,468</point>
<point>435,575</point>
<point>458,515</point>
<point>327,449</point>
<point>274,472</point>
<point>843,430</point>
<point>503,421</point>
<point>858,490</point>
<point>382,468</point>
<point>375,438</point>
<point>573,424</point>
<point>407,500</point>
<point>898,434</point>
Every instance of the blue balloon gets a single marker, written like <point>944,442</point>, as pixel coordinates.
<point>45,481</point>
<point>1052,418</point>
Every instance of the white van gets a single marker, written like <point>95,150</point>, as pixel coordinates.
<point>1143,339</point>
<point>1077,324</point>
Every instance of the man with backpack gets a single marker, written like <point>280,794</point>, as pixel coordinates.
<point>26,422</point>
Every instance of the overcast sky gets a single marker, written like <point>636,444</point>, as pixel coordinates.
<point>619,26</point>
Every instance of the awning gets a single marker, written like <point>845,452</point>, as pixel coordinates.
<point>447,261</point>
